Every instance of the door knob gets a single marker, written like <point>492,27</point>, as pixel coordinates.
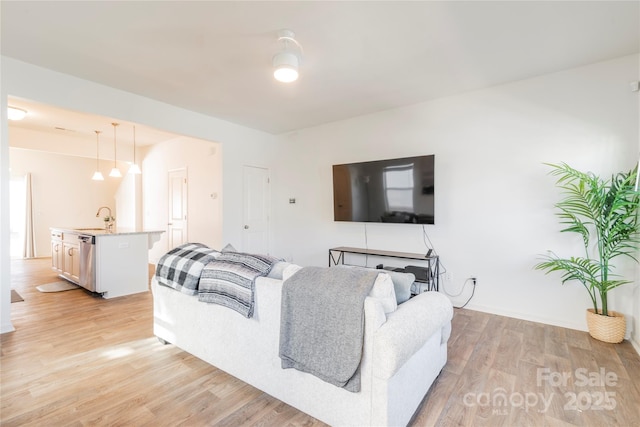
<point>246,227</point>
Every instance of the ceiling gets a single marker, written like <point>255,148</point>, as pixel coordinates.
<point>360,57</point>
<point>80,126</point>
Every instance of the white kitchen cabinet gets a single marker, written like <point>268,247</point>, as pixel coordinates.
<point>65,256</point>
<point>56,251</point>
<point>71,260</point>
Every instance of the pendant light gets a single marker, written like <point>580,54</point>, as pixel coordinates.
<point>97,175</point>
<point>134,169</point>
<point>115,172</point>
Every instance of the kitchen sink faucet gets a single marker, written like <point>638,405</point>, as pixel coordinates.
<point>109,219</point>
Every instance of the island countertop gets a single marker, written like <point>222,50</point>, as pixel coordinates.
<point>111,263</point>
<point>94,231</point>
<point>153,236</point>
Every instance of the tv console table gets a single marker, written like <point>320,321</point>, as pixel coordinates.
<point>432,269</point>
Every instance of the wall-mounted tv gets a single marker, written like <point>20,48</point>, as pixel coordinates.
<point>392,190</point>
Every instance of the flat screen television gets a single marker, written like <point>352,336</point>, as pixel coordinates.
<point>392,190</point>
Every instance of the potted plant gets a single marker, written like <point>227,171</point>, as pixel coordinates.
<point>605,214</point>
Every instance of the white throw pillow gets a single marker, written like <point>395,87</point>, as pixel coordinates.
<point>289,271</point>
<point>384,292</point>
<point>277,270</point>
<point>402,283</point>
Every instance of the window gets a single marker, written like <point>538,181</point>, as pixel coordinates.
<point>398,187</point>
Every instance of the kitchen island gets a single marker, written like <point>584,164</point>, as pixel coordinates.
<point>111,263</point>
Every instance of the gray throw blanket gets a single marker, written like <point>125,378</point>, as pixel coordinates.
<point>322,323</point>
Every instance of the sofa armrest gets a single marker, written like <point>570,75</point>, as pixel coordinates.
<point>407,329</point>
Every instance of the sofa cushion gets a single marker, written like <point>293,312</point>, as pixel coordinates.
<point>402,284</point>
<point>228,248</point>
<point>383,292</point>
<point>289,271</point>
<point>278,269</point>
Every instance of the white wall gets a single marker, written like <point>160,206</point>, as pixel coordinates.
<point>241,145</point>
<point>203,163</point>
<point>68,159</point>
<point>494,200</point>
<point>127,200</point>
<point>63,193</point>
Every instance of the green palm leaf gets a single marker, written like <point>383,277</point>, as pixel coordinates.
<point>605,214</point>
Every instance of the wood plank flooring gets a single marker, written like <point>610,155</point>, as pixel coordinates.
<point>78,360</point>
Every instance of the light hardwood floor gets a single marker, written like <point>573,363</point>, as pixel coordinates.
<point>78,360</point>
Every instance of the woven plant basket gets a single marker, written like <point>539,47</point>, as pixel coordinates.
<point>609,328</point>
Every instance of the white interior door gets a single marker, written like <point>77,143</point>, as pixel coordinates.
<point>177,224</point>
<point>255,236</point>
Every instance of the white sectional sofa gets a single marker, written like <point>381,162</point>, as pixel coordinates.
<point>404,351</point>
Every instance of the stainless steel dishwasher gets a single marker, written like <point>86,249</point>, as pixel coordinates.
<point>87,261</point>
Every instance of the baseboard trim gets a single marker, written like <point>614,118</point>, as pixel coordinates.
<point>543,320</point>
<point>538,319</point>
<point>7,327</point>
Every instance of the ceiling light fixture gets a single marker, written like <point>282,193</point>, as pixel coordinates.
<point>97,175</point>
<point>134,169</point>
<point>115,172</point>
<point>14,113</point>
<point>286,62</point>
